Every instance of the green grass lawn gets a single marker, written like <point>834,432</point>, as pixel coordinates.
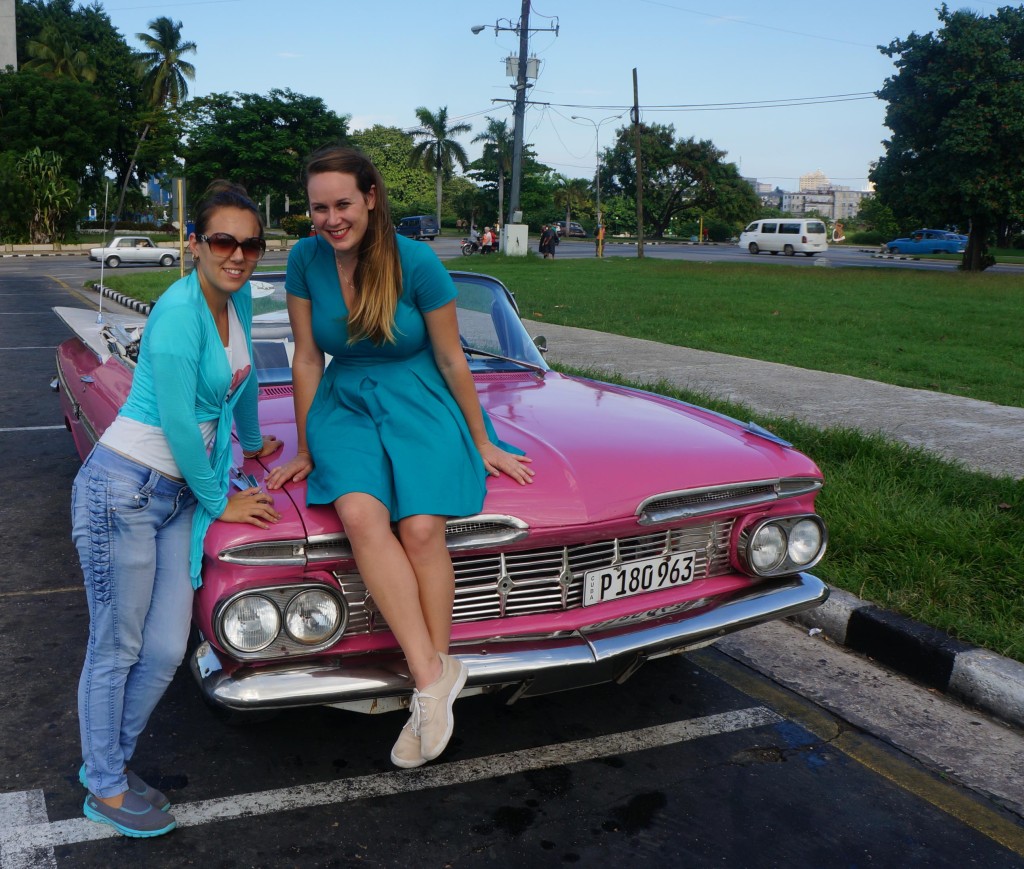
<point>946,331</point>
<point>908,531</point>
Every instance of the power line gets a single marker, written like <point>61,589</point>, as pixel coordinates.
<point>782,103</point>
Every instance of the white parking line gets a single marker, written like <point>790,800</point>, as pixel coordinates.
<point>20,810</point>
<point>23,833</point>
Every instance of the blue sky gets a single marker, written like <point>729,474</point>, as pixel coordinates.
<point>378,61</point>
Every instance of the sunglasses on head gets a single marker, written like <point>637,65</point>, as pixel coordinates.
<point>224,245</point>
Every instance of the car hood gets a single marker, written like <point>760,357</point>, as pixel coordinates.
<point>597,450</point>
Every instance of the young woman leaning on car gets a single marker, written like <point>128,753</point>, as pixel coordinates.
<point>148,491</point>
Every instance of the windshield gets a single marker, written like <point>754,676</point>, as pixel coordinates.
<point>488,323</point>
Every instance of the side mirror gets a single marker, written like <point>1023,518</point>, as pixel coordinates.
<point>541,343</point>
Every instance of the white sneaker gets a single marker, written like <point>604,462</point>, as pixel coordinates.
<point>407,753</point>
<point>435,707</point>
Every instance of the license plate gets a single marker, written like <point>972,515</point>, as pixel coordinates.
<point>638,577</point>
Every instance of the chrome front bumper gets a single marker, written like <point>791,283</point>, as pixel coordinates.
<point>534,665</point>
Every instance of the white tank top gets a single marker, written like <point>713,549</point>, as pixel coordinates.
<point>147,444</point>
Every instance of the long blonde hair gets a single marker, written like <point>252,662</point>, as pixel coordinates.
<point>378,276</point>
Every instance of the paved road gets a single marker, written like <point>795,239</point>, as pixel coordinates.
<point>837,256</point>
<point>697,760</point>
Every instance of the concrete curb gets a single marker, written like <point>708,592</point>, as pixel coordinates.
<point>143,308</point>
<point>927,655</point>
<point>46,253</point>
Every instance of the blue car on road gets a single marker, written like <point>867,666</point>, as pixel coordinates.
<point>929,241</point>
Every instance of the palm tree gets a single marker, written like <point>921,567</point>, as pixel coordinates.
<point>163,75</point>
<point>163,71</point>
<point>497,139</point>
<point>571,193</point>
<point>438,152</point>
<point>52,55</point>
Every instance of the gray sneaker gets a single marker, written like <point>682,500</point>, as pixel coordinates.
<point>435,706</point>
<point>151,795</point>
<point>135,818</point>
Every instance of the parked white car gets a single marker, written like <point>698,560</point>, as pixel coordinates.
<point>134,249</point>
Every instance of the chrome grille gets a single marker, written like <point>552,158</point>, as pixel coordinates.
<point>538,581</point>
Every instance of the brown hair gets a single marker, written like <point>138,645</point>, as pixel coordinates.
<point>224,194</point>
<point>378,276</point>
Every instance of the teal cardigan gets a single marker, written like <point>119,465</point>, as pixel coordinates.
<point>181,379</point>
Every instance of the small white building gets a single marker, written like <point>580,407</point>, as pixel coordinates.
<point>8,35</point>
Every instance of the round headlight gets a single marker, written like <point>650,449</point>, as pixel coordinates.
<point>804,542</point>
<point>767,548</point>
<point>250,623</point>
<point>312,616</point>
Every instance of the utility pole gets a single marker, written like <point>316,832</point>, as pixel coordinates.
<point>639,171</point>
<point>519,113</point>
<point>523,68</point>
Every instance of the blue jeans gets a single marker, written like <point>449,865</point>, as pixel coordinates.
<point>132,527</point>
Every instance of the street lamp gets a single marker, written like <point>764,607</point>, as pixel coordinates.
<point>597,154</point>
<point>523,30</point>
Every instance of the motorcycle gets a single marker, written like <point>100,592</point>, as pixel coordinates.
<point>470,246</point>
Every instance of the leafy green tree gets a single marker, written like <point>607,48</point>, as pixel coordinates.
<point>464,200</point>
<point>536,189</point>
<point>681,178</point>
<point>53,55</point>
<point>619,213</point>
<point>497,156</point>
<point>15,200</point>
<point>875,216</point>
<point>956,112</point>
<point>59,115</point>
<point>52,196</point>
<point>117,96</point>
<point>438,152</point>
<point>261,141</point>
<point>410,188</point>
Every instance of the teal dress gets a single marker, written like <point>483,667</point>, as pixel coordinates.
<point>383,421</point>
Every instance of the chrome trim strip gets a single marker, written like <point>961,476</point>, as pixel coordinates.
<point>591,656</point>
<point>240,554</point>
<point>715,499</point>
<point>483,530</point>
<point>76,407</point>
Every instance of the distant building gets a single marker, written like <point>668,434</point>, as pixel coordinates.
<point>8,35</point>
<point>817,193</point>
<point>812,181</point>
<point>835,203</point>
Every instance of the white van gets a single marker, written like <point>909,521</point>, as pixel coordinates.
<point>788,235</point>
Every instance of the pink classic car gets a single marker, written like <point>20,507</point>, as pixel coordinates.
<point>653,527</point>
